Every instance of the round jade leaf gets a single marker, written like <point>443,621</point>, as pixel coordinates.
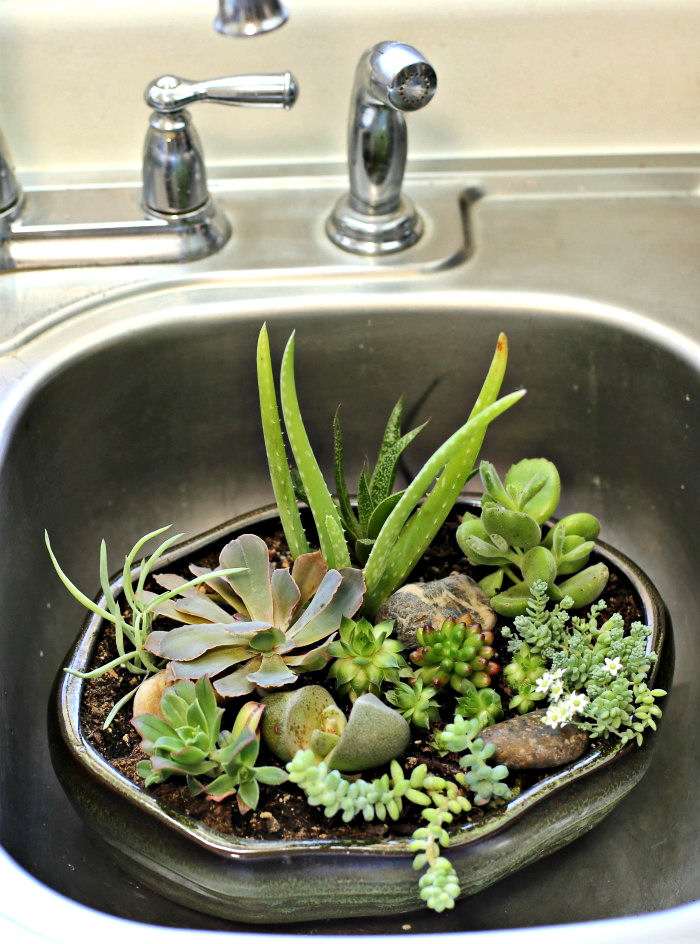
<point>543,503</point>
<point>539,564</point>
<point>511,602</point>
<point>518,529</point>
<point>471,526</point>
<point>586,586</point>
<point>575,554</point>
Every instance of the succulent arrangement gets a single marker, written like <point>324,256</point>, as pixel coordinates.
<point>334,690</point>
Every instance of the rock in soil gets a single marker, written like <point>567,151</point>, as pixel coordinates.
<point>524,742</point>
<point>149,693</point>
<point>431,603</point>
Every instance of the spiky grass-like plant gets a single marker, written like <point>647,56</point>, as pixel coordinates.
<point>421,509</point>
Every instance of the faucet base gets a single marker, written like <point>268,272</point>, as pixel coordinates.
<point>375,235</point>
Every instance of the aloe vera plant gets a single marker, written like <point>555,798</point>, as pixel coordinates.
<point>130,634</point>
<point>420,510</point>
<point>285,615</point>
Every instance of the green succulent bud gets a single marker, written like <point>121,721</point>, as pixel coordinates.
<point>521,675</point>
<point>458,654</point>
<point>484,704</point>
<point>416,702</point>
<point>365,658</point>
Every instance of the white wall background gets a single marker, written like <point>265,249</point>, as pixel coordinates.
<point>516,76</point>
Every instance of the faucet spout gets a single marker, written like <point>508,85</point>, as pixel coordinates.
<point>391,78</point>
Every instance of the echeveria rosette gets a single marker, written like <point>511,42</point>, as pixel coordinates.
<point>365,658</point>
<point>484,704</point>
<point>416,701</point>
<point>289,613</point>
<point>508,538</point>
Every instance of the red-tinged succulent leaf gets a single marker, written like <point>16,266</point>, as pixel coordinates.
<point>189,642</point>
<point>248,796</point>
<point>285,597</point>
<point>273,673</point>
<point>221,788</point>
<point>308,571</point>
<point>202,609</point>
<point>340,595</point>
<point>211,663</point>
<point>221,586</point>
<point>254,586</point>
<point>236,684</point>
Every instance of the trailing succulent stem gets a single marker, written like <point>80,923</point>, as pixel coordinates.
<point>458,654</point>
<point>385,797</point>
<point>188,741</point>
<point>508,538</point>
<point>130,634</point>
<point>484,781</point>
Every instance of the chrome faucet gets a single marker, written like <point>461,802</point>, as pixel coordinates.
<point>249,17</point>
<point>174,173</point>
<point>10,191</point>
<point>374,217</point>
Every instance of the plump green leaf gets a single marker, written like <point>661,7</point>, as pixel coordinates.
<point>511,602</point>
<point>273,776</point>
<point>543,503</point>
<point>492,582</point>
<point>581,523</point>
<point>516,527</point>
<point>539,564</point>
<point>586,586</point>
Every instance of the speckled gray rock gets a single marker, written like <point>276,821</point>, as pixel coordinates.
<point>525,742</point>
<point>431,603</point>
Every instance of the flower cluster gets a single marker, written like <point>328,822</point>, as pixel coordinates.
<point>562,708</point>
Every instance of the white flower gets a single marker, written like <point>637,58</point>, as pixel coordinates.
<point>543,683</point>
<point>613,666</point>
<point>557,714</point>
<point>557,673</point>
<point>556,689</point>
<point>576,702</point>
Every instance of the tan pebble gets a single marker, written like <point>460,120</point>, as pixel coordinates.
<point>150,692</point>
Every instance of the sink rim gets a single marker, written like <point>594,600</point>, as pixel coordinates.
<point>69,690</point>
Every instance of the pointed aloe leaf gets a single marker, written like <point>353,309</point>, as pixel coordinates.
<point>381,513</point>
<point>340,595</point>
<point>253,586</point>
<point>320,501</point>
<point>336,536</point>
<point>285,597</point>
<point>278,465</point>
<point>346,510</point>
<point>431,515</point>
<point>396,560</point>
<point>307,572</point>
<point>365,506</point>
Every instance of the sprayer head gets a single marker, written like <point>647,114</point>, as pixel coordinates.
<point>249,17</point>
<point>398,75</point>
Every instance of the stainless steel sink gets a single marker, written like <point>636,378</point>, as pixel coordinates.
<point>123,407</point>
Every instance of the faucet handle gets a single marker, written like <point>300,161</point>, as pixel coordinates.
<point>170,93</point>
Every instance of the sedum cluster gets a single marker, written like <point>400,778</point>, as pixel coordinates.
<point>592,676</point>
<point>508,538</point>
<point>187,741</point>
<point>385,796</point>
<point>457,654</point>
<point>461,736</point>
<point>365,658</point>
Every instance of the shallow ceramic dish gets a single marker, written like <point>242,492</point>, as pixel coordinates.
<point>275,881</point>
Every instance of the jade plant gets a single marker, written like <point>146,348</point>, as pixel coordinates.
<point>187,740</point>
<point>365,658</point>
<point>131,634</point>
<point>419,512</point>
<point>507,537</point>
<point>416,701</point>
<point>457,654</point>
<point>288,613</point>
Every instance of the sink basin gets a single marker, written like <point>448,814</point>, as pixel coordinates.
<point>142,411</point>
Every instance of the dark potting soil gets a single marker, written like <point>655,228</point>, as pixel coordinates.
<point>283,812</point>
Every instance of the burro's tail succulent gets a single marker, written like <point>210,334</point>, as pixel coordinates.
<point>458,654</point>
<point>284,625</point>
<point>508,539</point>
